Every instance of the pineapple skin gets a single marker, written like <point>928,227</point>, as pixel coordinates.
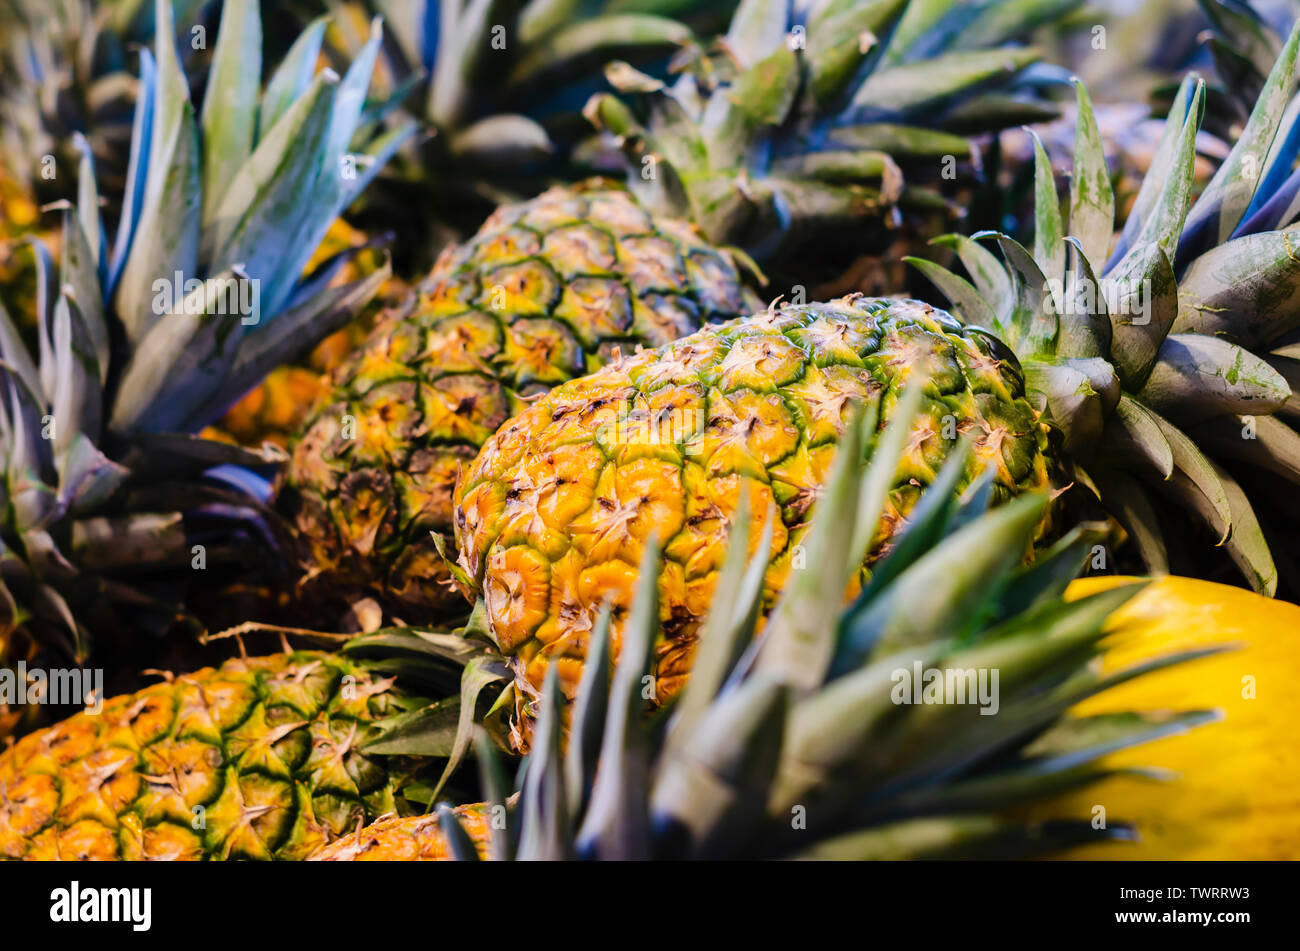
<point>553,516</point>
<point>548,290</point>
<point>408,838</point>
<point>266,746</point>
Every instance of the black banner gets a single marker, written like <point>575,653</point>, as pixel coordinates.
<point>139,902</point>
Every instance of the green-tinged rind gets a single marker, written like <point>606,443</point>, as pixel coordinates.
<point>553,515</point>
<point>256,759</point>
<point>548,290</point>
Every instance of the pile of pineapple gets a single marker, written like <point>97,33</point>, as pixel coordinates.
<point>443,388</point>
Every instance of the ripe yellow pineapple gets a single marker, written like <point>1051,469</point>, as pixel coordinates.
<point>548,290</point>
<point>533,300</point>
<point>553,516</point>
<point>408,839</point>
<point>257,758</point>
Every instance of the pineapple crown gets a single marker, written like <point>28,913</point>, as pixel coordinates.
<point>804,111</point>
<point>1244,43</point>
<point>501,81</point>
<point>805,722</point>
<point>557,41</point>
<point>1156,359</point>
<point>496,87</point>
<point>238,197</point>
<point>63,67</point>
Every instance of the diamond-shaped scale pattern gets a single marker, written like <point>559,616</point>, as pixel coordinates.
<point>553,516</point>
<point>547,291</point>
<point>255,759</point>
<point>409,838</point>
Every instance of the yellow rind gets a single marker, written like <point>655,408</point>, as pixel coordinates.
<point>1237,795</point>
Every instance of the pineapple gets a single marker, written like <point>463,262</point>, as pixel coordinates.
<point>548,290</point>
<point>1166,356</point>
<point>258,758</point>
<point>553,517</point>
<point>107,502</point>
<point>554,514</point>
<point>367,483</point>
<point>412,839</point>
<point>477,155</point>
<point>63,75</point>
<point>807,722</point>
